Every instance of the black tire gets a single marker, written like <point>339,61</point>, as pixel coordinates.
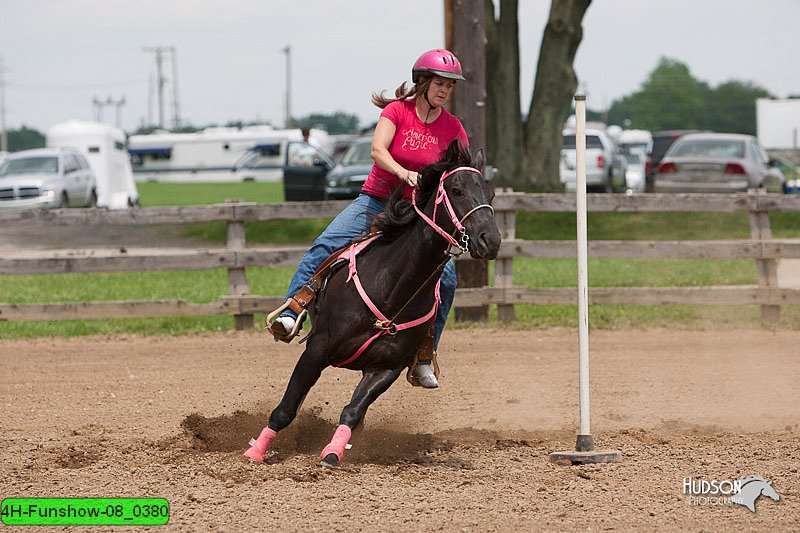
<point>92,199</point>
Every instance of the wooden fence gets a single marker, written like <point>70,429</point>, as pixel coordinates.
<point>237,257</point>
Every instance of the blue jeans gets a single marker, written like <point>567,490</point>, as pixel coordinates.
<point>353,221</point>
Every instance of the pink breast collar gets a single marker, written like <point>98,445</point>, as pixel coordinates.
<point>384,325</point>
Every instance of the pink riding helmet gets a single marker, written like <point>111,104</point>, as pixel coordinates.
<point>437,63</point>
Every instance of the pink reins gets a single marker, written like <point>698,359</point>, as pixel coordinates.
<point>386,325</point>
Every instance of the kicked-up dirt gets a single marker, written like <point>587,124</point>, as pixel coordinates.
<point>128,416</point>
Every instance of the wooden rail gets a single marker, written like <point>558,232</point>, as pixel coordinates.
<point>237,257</point>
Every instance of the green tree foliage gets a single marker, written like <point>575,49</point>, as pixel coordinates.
<point>671,98</point>
<point>339,122</point>
<point>731,107</point>
<point>24,139</point>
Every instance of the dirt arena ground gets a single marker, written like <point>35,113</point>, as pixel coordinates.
<point>170,417</point>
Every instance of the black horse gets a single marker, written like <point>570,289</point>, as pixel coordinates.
<point>399,271</point>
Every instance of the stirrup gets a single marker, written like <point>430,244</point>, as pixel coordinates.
<point>411,375</point>
<point>283,335</point>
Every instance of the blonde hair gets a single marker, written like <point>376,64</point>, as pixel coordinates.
<point>401,93</point>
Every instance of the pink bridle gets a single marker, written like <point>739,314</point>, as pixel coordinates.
<point>441,197</point>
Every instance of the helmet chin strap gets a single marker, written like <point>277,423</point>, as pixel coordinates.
<point>431,107</point>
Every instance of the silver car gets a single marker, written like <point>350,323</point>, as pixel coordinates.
<point>46,178</point>
<point>717,162</point>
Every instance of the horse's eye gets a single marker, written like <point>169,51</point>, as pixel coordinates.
<point>457,192</point>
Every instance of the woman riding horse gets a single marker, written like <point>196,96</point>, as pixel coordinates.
<point>413,131</point>
<point>374,312</point>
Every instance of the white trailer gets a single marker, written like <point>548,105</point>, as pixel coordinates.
<point>104,148</point>
<point>778,123</point>
<point>253,153</point>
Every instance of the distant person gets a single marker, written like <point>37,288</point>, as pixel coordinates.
<point>413,132</point>
<point>306,132</point>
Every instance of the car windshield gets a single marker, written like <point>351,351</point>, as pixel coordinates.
<point>634,158</point>
<point>29,165</point>
<point>709,148</point>
<point>592,141</point>
<point>357,154</point>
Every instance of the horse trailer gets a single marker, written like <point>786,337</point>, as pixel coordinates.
<point>103,146</point>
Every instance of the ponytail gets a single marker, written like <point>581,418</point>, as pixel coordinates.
<point>401,93</point>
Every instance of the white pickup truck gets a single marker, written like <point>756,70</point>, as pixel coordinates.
<point>605,165</point>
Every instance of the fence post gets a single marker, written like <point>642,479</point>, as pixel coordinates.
<point>503,267</point>
<point>237,277</point>
<point>767,268</point>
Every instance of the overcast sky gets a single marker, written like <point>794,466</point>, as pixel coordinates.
<point>59,54</point>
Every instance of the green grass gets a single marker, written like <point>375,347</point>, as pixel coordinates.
<point>195,286</point>
<point>153,194</point>
<point>206,286</point>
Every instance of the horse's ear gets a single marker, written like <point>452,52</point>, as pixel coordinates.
<point>453,151</point>
<point>479,160</point>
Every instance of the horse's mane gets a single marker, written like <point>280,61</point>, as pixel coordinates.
<point>399,214</point>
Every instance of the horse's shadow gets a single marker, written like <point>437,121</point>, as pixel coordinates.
<point>376,445</point>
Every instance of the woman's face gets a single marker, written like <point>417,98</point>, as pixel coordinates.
<point>440,90</point>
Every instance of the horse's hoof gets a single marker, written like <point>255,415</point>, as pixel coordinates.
<point>330,461</point>
<point>254,455</point>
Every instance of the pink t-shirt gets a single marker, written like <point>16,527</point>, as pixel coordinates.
<point>415,145</point>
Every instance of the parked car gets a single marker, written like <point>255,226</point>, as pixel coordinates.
<point>305,171</point>
<point>46,178</point>
<point>717,162</point>
<point>346,179</point>
<point>340,143</point>
<point>660,143</point>
<point>605,165</point>
<point>635,179</point>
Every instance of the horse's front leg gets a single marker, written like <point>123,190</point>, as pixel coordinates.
<point>306,373</point>
<point>373,383</point>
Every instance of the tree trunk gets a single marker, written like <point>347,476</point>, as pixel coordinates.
<point>503,121</point>
<point>553,91</point>
<point>466,39</point>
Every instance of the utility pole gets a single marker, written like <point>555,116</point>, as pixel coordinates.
<point>97,109</point>
<point>465,36</point>
<point>288,118</point>
<point>159,52</point>
<point>160,81</point>
<point>98,106</point>
<point>3,130</point>
<point>118,105</point>
<point>176,114</point>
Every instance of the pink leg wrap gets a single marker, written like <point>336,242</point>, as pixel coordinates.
<point>340,439</point>
<point>261,445</point>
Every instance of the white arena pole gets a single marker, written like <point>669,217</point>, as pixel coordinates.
<point>585,443</point>
<point>584,446</point>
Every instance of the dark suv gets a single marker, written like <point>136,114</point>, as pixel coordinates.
<point>661,142</point>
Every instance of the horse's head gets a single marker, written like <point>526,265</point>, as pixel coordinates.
<point>462,201</point>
